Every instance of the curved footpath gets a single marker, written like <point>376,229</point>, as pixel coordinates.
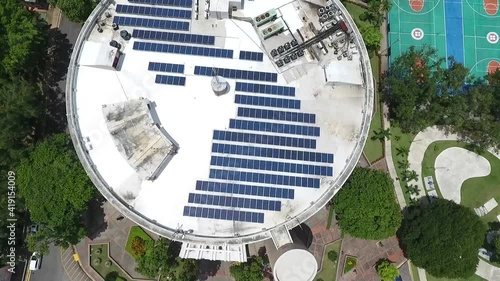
<point>417,150</point>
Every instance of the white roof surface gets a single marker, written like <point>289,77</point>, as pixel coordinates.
<point>191,113</point>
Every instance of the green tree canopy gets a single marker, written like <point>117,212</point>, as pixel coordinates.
<point>162,258</point>
<point>387,271</point>
<point>372,37</point>
<point>252,270</point>
<point>56,190</point>
<point>75,10</point>
<point>421,91</point>
<point>443,238</point>
<point>366,206</point>
<point>23,39</point>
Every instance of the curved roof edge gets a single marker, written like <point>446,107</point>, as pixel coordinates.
<point>170,233</point>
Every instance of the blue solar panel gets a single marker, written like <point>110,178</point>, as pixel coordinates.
<point>255,56</point>
<point>153,11</point>
<point>170,80</point>
<point>264,178</point>
<point>264,139</point>
<point>173,37</point>
<point>272,153</point>
<point>265,89</point>
<point>151,23</point>
<point>220,214</point>
<point>185,50</point>
<point>177,3</point>
<point>235,202</point>
<point>243,189</point>
<point>236,74</point>
<point>271,166</point>
<point>274,127</point>
<point>166,67</point>
<point>265,101</point>
<point>276,115</point>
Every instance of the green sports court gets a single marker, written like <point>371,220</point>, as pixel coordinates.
<point>468,30</point>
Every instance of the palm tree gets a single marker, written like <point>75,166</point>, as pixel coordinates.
<point>381,134</point>
<point>412,189</point>
<point>410,176</point>
<point>403,164</point>
<point>403,151</point>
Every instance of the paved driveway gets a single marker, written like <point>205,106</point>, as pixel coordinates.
<point>51,269</point>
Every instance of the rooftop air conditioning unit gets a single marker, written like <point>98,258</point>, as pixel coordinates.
<point>273,29</point>
<point>265,17</point>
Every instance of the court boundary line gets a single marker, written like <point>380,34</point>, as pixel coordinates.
<point>415,13</point>
<point>490,59</point>
<point>486,16</point>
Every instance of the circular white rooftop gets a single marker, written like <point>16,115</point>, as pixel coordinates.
<point>192,165</point>
<point>295,264</point>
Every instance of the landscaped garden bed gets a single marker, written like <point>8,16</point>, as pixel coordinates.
<point>350,263</point>
<point>104,265</point>
<point>135,244</point>
<point>329,267</point>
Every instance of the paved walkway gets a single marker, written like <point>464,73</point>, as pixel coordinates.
<point>368,253</point>
<point>112,231</point>
<point>321,235</point>
<point>71,267</point>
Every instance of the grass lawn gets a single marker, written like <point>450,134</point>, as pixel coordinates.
<point>472,278</point>
<point>373,148</point>
<point>350,264</point>
<point>414,272</point>
<point>101,268</point>
<point>135,231</point>
<point>329,269</point>
<point>400,139</point>
<point>475,191</point>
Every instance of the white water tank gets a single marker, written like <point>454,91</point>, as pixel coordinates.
<point>220,86</point>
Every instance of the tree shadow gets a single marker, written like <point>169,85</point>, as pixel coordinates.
<point>94,218</point>
<point>304,234</point>
<point>52,74</point>
<point>208,269</point>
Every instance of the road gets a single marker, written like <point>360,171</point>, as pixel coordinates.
<point>51,269</point>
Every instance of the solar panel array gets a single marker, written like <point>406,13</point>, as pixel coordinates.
<point>175,3</point>
<point>184,50</point>
<point>173,37</point>
<point>246,55</point>
<point>166,67</point>
<point>265,89</point>
<point>266,153</point>
<point>222,214</point>
<point>151,23</point>
<point>236,73</point>
<point>153,11</point>
<point>244,189</point>
<point>274,127</point>
<point>272,153</point>
<point>239,202</point>
<point>170,80</point>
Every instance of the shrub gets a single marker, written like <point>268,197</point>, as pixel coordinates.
<point>387,271</point>
<point>107,263</point>
<point>97,261</point>
<point>97,251</point>
<point>138,246</point>
<point>332,255</point>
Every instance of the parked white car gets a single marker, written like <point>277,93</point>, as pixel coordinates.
<point>35,262</point>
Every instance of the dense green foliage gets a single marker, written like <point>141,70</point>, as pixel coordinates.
<point>162,258</point>
<point>387,271</point>
<point>56,190</point>
<point>372,37</point>
<point>366,206</point>
<point>333,256</point>
<point>422,91</point>
<point>75,10</point>
<point>252,270</point>
<point>443,238</point>
<point>23,39</point>
<point>375,14</point>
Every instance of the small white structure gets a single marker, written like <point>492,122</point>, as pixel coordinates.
<point>486,208</point>
<point>429,183</point>
<point>343,72</point>
<point>99,54</point>
<point>198,251</point>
